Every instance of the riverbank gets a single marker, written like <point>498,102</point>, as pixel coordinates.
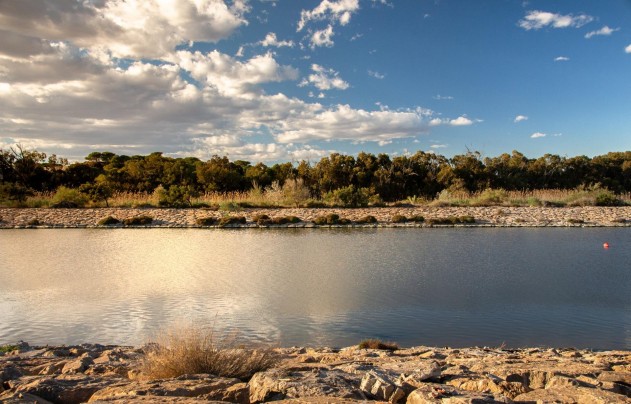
<point>98,373</point>
<point>589,216</point>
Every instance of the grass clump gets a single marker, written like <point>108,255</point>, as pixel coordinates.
<point>331,218</point>
<point>34,222</point>
<point>68,198</point>
<point>138,221</point>
<point>399,219</point>
<point>452,220</point>
<point>417,219</point>
<point>367,220</point>
<point>575,221</point>
<point>8,348</point>
<point>206,221</point>
<point>195,350</point>
<point>231,220</point>
<point>374,343</point>
<point>108,221</point>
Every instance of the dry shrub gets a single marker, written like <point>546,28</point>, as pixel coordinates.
<point>373,343</point>
<point>194,350</point>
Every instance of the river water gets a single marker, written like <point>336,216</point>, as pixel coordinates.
<point>334,287</point>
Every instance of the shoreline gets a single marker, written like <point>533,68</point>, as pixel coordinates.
<point>494,216</point>
<point>112,374</point>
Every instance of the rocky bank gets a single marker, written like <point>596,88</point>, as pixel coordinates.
<point>109,374</point>
<point>181,218</point>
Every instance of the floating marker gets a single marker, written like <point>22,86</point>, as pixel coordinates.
<point>606,245</point>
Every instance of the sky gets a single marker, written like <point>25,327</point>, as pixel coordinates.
<point>291,80</point>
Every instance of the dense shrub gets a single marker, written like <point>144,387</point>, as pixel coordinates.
<point>231,220</point>
<point>378,344</point>
<point>176,196</point>
<point>138,221</point>
<point>194,350</point>
<point>68,198</point>
<point>108,220</point>
<point>399,219</point>
<point>8,348</point>
<point>606,198</point>
<point>350,197</point>
<point>206,221</point>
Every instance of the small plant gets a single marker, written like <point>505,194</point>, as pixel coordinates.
<point>575,221</point>
<point>8,348</point>
<point>452,220</point>
<point>68,198</point>
<point>194,350</point>
<point>367,220</point>
<point>331,218</point>
<point>230,207</point>
<point>260,218</point>
<point>231,220</point>
<point>34,222</point>
<point>399,219</point>
<point>138,221</point>
<point>606,198</point>
<point>373,343</point>
<point>108,221</point>
<point>417,219</point>
<point>206,221</point>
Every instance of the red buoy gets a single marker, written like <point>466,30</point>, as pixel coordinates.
<point>606,245</point>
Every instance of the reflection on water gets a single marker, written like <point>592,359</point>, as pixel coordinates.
<point>320,287</point>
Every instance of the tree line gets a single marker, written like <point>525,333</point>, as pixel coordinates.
<point>393,178</point>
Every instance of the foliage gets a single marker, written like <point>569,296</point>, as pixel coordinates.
<point>349,197</point>
<point>34,222</point>
<point>177,196</point>
<point>8,348</point>
<point>367,220</point>
<point>378,344</point>
<point>142,220</point>
<point>575,221</point>
<point>195,350</point>
<point>231,220</point>
<point>96,192</point>
<point>15,192</point>
<point>108,221</point>
<point>68,198</point>
<point>206,221</point>
<point>399,219</point>
<point>452,220</point>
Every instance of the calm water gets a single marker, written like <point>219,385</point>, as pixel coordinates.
<point>456,287</point>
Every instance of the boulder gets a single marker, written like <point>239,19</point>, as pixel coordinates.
<point>278,384</point>
<point>379,386</point>
<point>425,371</point>
<point>67,389</point>
<point>205,386</point>
<point>572,394</point>
<point>440,393</point>
<point>77,366</point>
<point>11,397</point>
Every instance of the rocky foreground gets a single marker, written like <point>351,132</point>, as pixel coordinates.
<point>589,216</point>
<point>110,374</point>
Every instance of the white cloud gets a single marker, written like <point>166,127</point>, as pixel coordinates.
<point>442,97</point>
<point>376,75</point>
<point>604,31</point>
<point>324,79</point>
<point>461,121</point>
<point>520,118</point>
<point>541,19</point>
<point>438,146</point>
<point>322,38</point>
<point>271,40</point>
<point>537,135</point>
<point>628,49</point>
<point>339,11</point>
<point>561,59</point>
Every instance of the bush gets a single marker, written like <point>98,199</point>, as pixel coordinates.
<point>378,344</point>
<point>331,218</point>
<point>107,221</point>
<point>231,220</point>
<point>176,196</point>
<point>194,350</point>
<point>452,220</point>
<point>206,221</point>
<point>138,221</point>
<point>34,222</point>
<point>575,221</point>
<point>417,219</point>
<point>8,348</point>
<point>606,198</point>
<point>367,220</point>
<point>68,198</point>
<point>398,219</point>
<point>350,197</point>
<point>260,218</point>
<point>229,207</point>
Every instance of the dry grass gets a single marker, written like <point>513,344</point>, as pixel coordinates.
<point>193,350</point>
<point>373,343</point>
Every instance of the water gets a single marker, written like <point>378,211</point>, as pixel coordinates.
<point>456,287</point>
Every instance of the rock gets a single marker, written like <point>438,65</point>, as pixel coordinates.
<point>440,393</point>
<point>67,389</point>
<point>21,398</point>
<point>277,384</point>
<point>425,371</point>
<point>378,385</point>
<point>562,381</point>
<point>77,366</point>
<point>10,372</point>
<point>206,386</point>
<point>159,400</point>
<point>621,377</point>
<point>572,394</point>
<point>537,379</point>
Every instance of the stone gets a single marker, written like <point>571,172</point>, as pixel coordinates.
<point>378,385</point>
<point>622,377</point>
<point>68,389</point>
<point>580,395</point>
<point>159,400</point>
<point>425,371</point>
<point>77,366</point>
<point>431,393</point>
<point>562,381</point>
<point>11,397</point>
<point>278,384</point>
<point>207,386</point>
<point>10,372</point>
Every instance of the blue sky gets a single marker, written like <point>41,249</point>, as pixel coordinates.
<point>281,80</point>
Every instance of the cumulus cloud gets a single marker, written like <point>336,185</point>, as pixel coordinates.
<point>628,49</point>
<point>520,118</point>
<point>324,79</point>
<point>438,146</point>
<point>537,135</point>
<point>322,38</point>
<point>271,40</point>
<point>604,31</point>
<point>461,121</point>
<point>339,12</point>
<point>540,19</point>
<point>561,59</point>
<point>149,28</point>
